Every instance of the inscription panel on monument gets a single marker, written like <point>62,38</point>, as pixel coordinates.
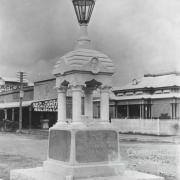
<point>59,145</point>
<point>96,146</point>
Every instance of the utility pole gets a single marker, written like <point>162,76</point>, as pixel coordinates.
<point>20,76</point>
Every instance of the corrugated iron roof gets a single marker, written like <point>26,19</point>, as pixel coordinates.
<point>166,80</point>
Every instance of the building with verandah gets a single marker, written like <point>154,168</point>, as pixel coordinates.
<point>152,96</point>
<point>9,101</point>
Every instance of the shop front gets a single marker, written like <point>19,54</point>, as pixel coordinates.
<point>45,113</point>
<point>10,112</point>
<point>10,106</point>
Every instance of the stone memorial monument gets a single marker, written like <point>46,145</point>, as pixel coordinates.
<point>83,148</point>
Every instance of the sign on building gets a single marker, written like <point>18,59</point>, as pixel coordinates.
<point>46,106</point>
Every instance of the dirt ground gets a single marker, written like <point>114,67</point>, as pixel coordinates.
<point>23,151</point>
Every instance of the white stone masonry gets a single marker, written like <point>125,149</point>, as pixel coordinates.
<point>62,104</point>
<point>104,106</point>
<point>76,103</point>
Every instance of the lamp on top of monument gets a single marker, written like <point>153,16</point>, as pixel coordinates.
<point>83,9</point>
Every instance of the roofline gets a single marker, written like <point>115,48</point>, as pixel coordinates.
<point>162,74</point>
<point>8,105</point>
<point>146,97</point>
<point>9,79</point>
<point>146,88</point>
<point>45,80</point>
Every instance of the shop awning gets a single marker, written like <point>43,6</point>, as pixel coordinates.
<point>15,104</point>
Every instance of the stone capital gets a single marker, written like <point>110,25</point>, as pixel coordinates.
<point>105,89</point>
<point>62,89</point>
<point>76,88</point>
<point>88,90</point>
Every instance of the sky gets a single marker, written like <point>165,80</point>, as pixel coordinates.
<point>140,36</point>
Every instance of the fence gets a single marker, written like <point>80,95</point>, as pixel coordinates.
<point>148,126</point>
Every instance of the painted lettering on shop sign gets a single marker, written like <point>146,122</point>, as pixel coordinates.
<point>5,88</point>
<point>46,106</point>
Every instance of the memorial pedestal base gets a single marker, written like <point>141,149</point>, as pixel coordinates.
<point>40,174</point>
<point>82,152</point>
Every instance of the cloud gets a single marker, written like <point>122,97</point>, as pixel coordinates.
<point>140,36</point>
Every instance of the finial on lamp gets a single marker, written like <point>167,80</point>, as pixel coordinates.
<point>83,9</point>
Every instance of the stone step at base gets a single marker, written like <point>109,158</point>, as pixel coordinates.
<point>40,174</point>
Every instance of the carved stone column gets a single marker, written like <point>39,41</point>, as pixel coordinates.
<point>76,103</point>
<point>88,101</point>
<point>62,104</point>
<point>104,109</point>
